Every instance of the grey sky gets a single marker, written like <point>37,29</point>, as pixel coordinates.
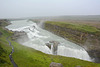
<point>31,8</point>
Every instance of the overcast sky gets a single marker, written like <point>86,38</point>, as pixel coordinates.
<point>33,8</point>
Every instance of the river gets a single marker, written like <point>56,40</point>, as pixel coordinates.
<point>38,38</point>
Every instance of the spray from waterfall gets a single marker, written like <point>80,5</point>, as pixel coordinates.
<point>41,24</point>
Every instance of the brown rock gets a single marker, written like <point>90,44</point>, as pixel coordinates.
<point>53,64</point>
<point>49,45</point>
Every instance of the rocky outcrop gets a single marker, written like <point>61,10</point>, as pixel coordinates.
<point>53,45</point>
<point>89,41</point>
<point>48,45</point>
<point>20,37</point>
<point>4,22</point>
<point>53,64</point>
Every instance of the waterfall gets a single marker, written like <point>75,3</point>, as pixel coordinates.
<point>52,49</point>
<point>81,54</point>
<point>38,38</point>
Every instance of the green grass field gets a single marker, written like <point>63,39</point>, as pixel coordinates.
<point>29,57</point>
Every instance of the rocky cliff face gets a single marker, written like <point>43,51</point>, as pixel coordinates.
<point>53,45</point>
<point>90,42</point>
<point>20,37</point>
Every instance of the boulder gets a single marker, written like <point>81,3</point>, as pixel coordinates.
<point>54,42</point>
<point>49,45</point>
<point>53,64</point>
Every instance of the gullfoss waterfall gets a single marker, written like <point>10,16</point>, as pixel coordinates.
<point>38,38</point>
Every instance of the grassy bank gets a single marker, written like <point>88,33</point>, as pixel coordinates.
<point>29,57</point>
<point>5,49</point>
<point>75,26</point>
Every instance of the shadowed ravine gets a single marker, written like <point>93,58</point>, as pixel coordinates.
<point>38,38</point>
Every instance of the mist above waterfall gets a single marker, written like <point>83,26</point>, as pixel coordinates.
<point>38,38</point>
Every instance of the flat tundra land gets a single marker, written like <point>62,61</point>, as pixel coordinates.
<point>87,22</point>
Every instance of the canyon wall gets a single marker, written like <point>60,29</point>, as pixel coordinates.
<point>89,41</point>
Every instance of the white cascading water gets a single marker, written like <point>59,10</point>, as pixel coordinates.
<point>38,38</point>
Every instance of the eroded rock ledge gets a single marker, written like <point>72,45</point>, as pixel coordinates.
<point>90,42</point>
<point>53,45</point>
<point>20,37</point>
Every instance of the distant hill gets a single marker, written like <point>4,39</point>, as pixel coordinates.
<point>80,17</point>
<point>90,18</point>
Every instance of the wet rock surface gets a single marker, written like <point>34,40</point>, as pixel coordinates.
<point>95,55</point>
<point>49,45</point>
<point>53,45</point>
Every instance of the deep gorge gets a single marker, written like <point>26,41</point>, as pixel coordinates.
<point>89,41</point>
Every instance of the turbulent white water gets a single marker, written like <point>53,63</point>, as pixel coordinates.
<point>38,37</point>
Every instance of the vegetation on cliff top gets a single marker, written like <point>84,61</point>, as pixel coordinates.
<point>73,26</point>
<point>29,57</point>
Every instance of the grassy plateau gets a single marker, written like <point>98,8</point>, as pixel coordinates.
<point>75,26</point>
